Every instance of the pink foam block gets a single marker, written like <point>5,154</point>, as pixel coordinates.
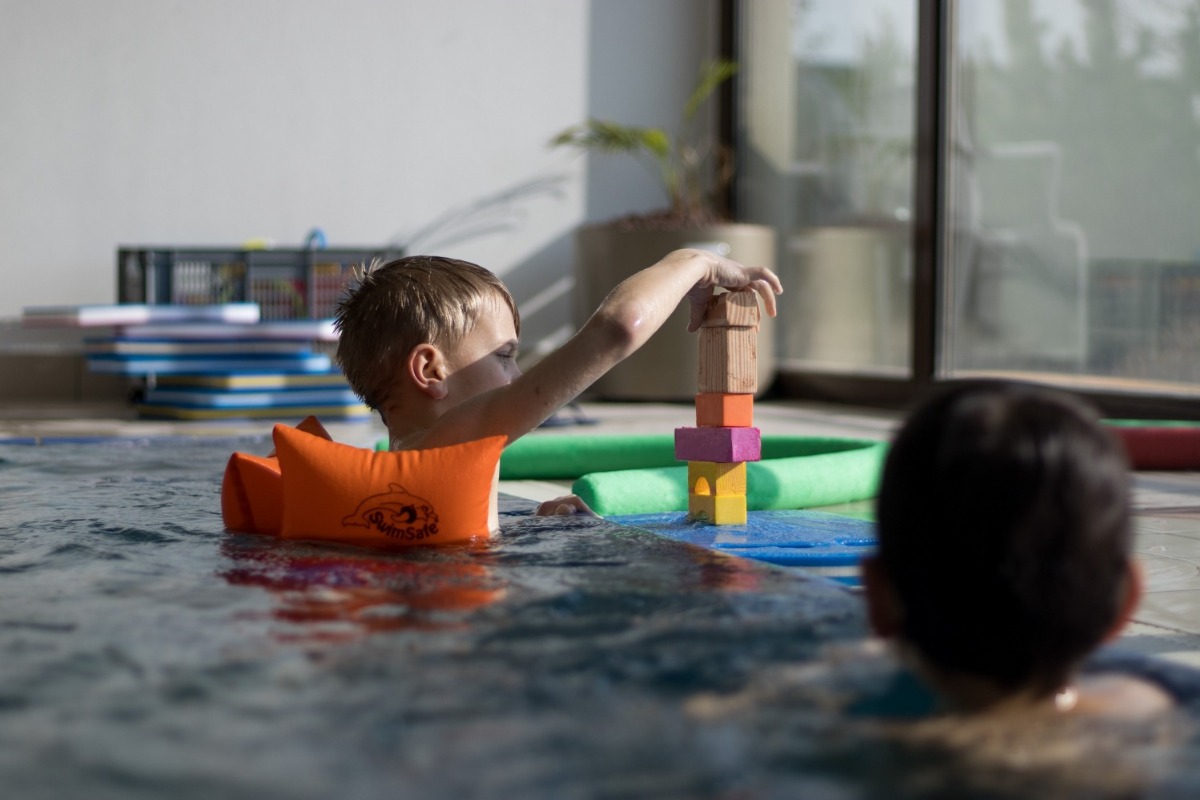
<point>721,445</point>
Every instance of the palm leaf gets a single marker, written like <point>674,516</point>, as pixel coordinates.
<point>713,75</point>
<point>610,137</point>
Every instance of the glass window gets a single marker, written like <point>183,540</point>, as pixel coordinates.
<point>1073,152</point>
<point>826,94</point>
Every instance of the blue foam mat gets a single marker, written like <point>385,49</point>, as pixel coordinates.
<point>799,538</point>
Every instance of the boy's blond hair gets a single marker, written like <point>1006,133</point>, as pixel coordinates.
<point>406,302</point>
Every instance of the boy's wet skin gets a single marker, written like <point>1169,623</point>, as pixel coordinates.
<point>431,344</point>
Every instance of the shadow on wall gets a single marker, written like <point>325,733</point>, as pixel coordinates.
<point>540,284</point>
<point>499,212</point>
<point>642,64</point>
<point>642,59</point>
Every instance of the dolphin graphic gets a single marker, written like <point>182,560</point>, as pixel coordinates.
<point>391,510</point>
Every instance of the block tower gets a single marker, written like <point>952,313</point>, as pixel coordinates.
<point>724,438</point>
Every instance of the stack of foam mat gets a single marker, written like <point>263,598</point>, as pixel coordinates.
<point>217,361</point>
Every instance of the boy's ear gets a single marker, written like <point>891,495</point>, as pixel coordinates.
<point>1132,587</point>
<point>426,367</point>
<point>883,607</point>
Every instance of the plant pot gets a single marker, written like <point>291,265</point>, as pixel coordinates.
<point>665,367</point>
<point>848,295</point>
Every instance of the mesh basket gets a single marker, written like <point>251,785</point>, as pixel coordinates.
<point>286,283</point>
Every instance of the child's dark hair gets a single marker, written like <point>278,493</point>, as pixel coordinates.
<point>1004,529</point>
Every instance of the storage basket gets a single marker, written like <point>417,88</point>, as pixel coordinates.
<point>286,283</point>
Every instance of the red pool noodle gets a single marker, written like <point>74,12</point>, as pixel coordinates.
<point>1161,447</point>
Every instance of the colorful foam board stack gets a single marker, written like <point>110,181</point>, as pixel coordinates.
<point>211,361</point>
<point>724,437</point>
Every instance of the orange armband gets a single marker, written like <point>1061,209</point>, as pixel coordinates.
<point>322,490</point>
<point>252,488</point>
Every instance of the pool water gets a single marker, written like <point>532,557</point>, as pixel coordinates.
<point>146,653</point>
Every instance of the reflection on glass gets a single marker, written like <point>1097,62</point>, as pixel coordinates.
<point>1073,183</point>
<point>826,157</point>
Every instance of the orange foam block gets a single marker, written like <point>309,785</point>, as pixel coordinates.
<point>723,410</point>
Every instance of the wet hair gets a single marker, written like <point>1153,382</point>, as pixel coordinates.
<point>1005,529</point>
<point>406,302</point>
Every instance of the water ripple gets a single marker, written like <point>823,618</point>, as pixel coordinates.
<point>146,653</point>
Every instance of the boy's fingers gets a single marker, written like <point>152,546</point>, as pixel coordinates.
<point>769,278</point>
<point>564,507</point>
<point>759,279</point>
<point>698,299</point>
<point>767,295</point>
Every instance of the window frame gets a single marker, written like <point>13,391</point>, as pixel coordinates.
<point>929,244</point>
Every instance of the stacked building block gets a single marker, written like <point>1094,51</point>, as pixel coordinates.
<point>724,438</point>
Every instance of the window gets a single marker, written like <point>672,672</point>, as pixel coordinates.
<point>994,187</point>
<point>826,97</point>
<point>1074,183</point>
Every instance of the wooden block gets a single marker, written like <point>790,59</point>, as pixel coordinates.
<point>732,310</point>
<point>711,477</point>
<point>723,445</point>
<point>722,410</point>
<point>718,509</point>
<point>728,361</point>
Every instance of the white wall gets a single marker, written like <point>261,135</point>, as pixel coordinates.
<point>210,123</point>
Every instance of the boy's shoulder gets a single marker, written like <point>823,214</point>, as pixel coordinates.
<point>1119,677</point>
<point>868,679</point>
<point>1118,696</point>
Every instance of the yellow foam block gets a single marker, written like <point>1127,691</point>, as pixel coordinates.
<point>718,509</point>
<point>712,477</point>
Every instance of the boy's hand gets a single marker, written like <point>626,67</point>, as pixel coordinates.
<point>564,507</point>
<point>730,275</point>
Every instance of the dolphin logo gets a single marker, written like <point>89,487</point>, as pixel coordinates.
<point>395,513</point>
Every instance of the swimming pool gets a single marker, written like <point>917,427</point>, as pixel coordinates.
<point>145,653</point>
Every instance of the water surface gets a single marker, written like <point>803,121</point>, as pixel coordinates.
<point>145,652</point>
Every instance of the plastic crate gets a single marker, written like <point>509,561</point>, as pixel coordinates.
<point>286,283</point>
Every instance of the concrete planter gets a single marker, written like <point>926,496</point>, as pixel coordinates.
<point>665,367</point>
<point>848,296</point>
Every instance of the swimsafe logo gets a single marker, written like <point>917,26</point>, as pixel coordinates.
<point>396,514</point>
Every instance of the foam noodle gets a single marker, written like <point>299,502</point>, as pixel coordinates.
<point>554,456</point>
<point>638,474</point>
<point>1159,445</point>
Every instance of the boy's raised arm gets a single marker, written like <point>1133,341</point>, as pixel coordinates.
<point>625,320</point>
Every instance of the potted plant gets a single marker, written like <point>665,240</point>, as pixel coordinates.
<point>694,172</point>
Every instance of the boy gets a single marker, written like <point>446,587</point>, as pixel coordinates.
<point>1004,552</point>
<point>431,344</point>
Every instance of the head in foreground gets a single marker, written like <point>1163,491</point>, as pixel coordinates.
<point>1004,543</point>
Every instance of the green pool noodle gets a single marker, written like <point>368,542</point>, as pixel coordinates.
<point>1152,423</point>
<point>639,474</point>
<point>559,457</point>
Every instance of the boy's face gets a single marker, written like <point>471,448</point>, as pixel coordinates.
<point>486,358</point>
